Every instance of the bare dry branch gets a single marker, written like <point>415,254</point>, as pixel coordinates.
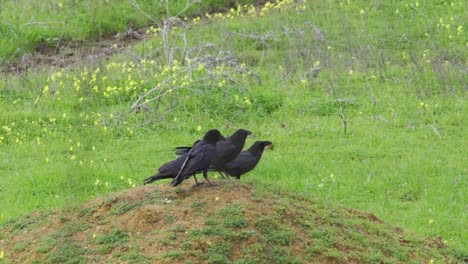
<point>343,119</point>
<point>137,7</point>
<point>222,66</point>
<point>319,33</point>
<point>270,36</point>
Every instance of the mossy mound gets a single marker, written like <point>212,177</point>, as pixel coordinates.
<point>232,222</point>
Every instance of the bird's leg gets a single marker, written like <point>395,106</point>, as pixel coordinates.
<point>195,177</point>
<point>224,173</point>
<point>196,182</point>
<point>205,175</point>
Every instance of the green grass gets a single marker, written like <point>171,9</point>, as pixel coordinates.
<point>30,26</point>
<point>115,237</point>
<point>396,69</point>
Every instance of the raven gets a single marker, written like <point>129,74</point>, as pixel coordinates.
<point>228,149</point>
<point>247,160</point>
<point>175,167</point>
<point>198,160</point>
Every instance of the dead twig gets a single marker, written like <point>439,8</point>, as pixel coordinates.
<point>319,33</point>
<point>373,97</point>
<point>343,119</point>
<point>168,24</point>
<point>137,7</point>
<point>254,35</point>
<point>435,131</point>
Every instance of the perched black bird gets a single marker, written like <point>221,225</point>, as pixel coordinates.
<point>228,149</point>
<point>246,160</point>
<point>199,159</point>
<point>186,163</point>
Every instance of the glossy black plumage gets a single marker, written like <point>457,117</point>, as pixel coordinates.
<point>199,159</point>
<point>247,160</point>
<point>195,160</point>
<point>228,149</point>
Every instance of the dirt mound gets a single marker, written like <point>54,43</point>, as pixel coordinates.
<point>232,222</point>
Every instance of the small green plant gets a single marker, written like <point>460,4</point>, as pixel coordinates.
<point>170,218</point>
<point>178,229</point>
<point>136,257</point>
<point>219,252</point>
<point>116,236</point>
<point>198,205</point>
<point>70,229</point>
<point>67,252</point>
<point>86,211</point>
<point>173,255</point>
<point>123,207</point>
<point>233,216</point>
<point>21,246</point>
<point>46,245</point>
<point>280,255</point>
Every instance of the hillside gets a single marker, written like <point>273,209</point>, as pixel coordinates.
<point>365,102</point>
<point>232,222</point>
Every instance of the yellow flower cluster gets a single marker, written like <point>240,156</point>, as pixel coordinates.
<point>252,11</point>
<point>125,86</point>
<point>118,82</point>
<point>153,30</point>
<point>17,133</point>
<point>451,27</point>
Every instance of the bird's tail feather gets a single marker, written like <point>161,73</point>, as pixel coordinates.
<point>182,150</point>
<point>177,180</point>
<point>156,177</point>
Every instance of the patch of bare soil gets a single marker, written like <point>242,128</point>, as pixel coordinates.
<point>65,53</point>
<point>231,222</point>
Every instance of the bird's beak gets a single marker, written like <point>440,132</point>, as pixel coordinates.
<point>269,146</point>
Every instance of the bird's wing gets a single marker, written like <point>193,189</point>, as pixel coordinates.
<point>224,148</point>
<point>200,159</point>
<point>173,166</point>
<point>243,163</point>
<point>197,161</point>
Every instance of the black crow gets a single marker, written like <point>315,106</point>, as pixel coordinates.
<point>173,168</point>
<point>228,149</point>
<point>247,160</point>
<point>199,159</point>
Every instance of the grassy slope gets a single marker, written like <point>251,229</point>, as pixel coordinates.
<point>229,223</point>
<point>402,158</point>
<point>28,25</point>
